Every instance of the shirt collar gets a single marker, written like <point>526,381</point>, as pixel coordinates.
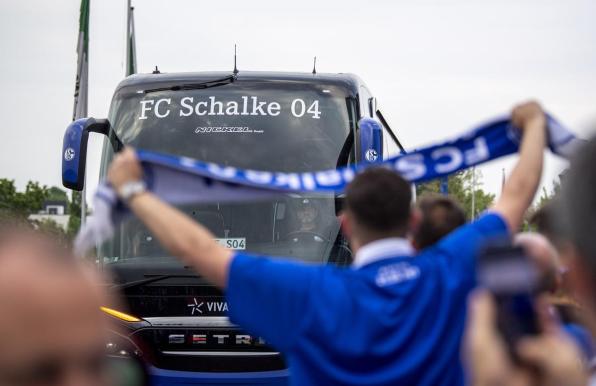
<point>382,249</point>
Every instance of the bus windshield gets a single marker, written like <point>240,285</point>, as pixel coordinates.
<point>256,126</point>
<point>261,126</point>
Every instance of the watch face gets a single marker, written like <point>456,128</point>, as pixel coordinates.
<point>131,189</point>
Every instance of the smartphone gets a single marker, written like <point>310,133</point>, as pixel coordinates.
<point>512,278</point>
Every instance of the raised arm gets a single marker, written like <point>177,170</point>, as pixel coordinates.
<point>521,186</point>
<point>180,235</point>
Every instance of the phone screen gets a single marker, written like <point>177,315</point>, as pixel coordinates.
<point>512,278</point>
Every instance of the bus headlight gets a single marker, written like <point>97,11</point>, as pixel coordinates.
<point>120,315</point>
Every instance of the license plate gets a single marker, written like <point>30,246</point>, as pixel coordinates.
<point>233,243</point>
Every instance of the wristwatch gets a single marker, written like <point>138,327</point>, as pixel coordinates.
<point>131,189</point>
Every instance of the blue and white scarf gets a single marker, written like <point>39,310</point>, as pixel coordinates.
<point>180,180</point>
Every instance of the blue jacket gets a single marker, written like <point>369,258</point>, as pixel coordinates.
<point>398,320</point>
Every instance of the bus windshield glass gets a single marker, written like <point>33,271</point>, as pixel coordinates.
<point>274,126</point>
<point>246,125</point>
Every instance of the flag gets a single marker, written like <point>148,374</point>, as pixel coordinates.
<point>180,180</point>
<point>131,47</point>
<point>502,179</point>
<point>82,79</point>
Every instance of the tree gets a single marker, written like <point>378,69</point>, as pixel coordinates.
<point>16,207</point>
<point>21,204</point>
<point>51,228</point>
<point>461,188</point>
<point>57,194</point>
<point>74,209</point>
<point>545,198</point>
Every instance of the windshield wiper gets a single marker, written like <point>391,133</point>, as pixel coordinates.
<point>195,86</point>
<point>148,280</point>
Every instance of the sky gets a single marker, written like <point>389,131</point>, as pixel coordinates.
<point>437,68</point>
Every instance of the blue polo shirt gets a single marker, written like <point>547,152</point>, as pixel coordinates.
<point>394,320</point>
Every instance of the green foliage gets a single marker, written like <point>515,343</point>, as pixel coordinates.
<point>57,194</point>
<point>543,200</point>
<point>18,206</point>
<point>546,197</point>
<point>74,209</point>
<point>21,204</point>
<point>460,186</point>
<point>51,228</point>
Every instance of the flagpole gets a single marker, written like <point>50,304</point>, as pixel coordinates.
<point>84,113</point>
<point>128,43</point>
<point>133,43</point>
<point>473,193</point>
<point>82,84</point>
<point>502,179</point>
<point>131,47</point>
<point>84,201</point>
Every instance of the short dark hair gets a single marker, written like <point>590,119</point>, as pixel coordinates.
<point>546,221</point>
<point>379,199</point>
<point>440,216</point>
<point>577,206</point>
<point>542,219</point>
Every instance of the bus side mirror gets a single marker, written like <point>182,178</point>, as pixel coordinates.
<point>371,140</point>
<point>74,150</point>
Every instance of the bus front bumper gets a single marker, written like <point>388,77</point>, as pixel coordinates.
<point>161,377</point>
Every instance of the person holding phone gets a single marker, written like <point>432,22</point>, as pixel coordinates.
<point>551,357</point>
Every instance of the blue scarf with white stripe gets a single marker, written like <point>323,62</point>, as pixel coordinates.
<point>180,180</point>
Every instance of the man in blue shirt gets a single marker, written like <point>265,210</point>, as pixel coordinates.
<point>394,317</point>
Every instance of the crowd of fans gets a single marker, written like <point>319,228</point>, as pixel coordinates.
<point>409,311</point>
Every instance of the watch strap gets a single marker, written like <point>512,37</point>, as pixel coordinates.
<point>131,189</point>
